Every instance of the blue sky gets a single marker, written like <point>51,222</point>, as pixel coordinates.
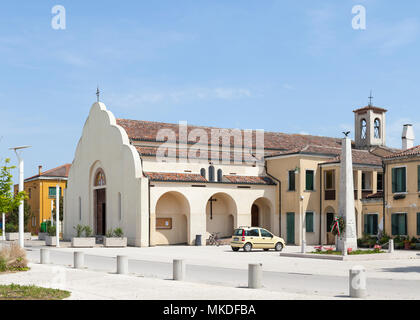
<point>289,66</point>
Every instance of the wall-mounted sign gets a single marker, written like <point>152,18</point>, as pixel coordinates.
<point>163,223</point>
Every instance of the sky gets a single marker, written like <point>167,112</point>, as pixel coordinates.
<point>278,65</point>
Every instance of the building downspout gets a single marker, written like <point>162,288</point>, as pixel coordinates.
<point>279,184</point>
<point>384,202</point>
<point>320,205</point>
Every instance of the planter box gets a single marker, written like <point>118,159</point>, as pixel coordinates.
<point>13,236</point>
<point>83,242</point>
<point>115,242</point>
<point>417,246</point>
<point>50,241</point>
<point>42,235</point>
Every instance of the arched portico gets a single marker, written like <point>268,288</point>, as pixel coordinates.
<point>172,213</point>
<point>261,213</point>
<point>221,214</point>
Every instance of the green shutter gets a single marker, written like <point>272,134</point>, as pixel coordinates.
<point>403,179</point>
<point>394,222</point>
<point>418,178</point>
<point>394,180</point>
<point>309,180</point>
<point>309,222</point>
<point>365,223</point>
<point>375,224</point>
<point>418,223</point>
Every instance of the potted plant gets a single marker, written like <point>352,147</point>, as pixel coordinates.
<point>51,239</point>
<point>407,243</point>
<point>44,230</point>
<point>83,242</point>
<point>12,233</point>
<point>115,238</point>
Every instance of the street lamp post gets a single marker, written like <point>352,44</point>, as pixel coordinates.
<point>303,226</point>
<point>57,214</point>
<point>21,187</point>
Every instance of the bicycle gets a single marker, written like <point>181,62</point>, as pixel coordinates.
<point>214,239</point>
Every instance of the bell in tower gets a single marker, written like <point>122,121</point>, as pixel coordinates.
<point>369,126</point>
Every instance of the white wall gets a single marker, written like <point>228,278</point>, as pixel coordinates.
<point>105,145</point>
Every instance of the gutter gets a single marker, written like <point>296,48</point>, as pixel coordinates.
<point>280,203</point>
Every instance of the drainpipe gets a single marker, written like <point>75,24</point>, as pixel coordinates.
<point>384,202</point>
<point>320,205</point>
<point>279,184</point>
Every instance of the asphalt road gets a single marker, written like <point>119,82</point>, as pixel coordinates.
<point>304,283</point>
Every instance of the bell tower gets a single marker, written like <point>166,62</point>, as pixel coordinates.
<point>369,126</point>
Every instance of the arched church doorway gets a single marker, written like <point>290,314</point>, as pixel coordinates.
<point>99,196</point>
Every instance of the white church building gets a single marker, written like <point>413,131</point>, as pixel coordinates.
<point>160,184</point>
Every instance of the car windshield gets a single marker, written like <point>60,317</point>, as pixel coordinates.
<point>238,232</point>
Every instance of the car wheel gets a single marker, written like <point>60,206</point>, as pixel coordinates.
<point>235,248</point>
<point>247,247</point>
<point>279,246</point>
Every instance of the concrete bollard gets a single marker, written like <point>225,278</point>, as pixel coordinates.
<point>45,256</point>
<point>79,260</point>
<point>344,253</point>
<point>303,246</point>
<point>122,265</point>
<point>179,270</point>
<point>391,246</point>
<point>255,276</point>
<point>357,282</point>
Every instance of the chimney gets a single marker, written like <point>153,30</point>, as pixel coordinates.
<point>39,170</point>
<point>408,137</point>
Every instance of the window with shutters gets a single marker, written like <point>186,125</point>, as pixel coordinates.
<point>418,223</point>
<point>371,224</point>
<point>292,180</point>
<point>399,180</point>
<point>418,178</point>
<point>399,224</point>
<point>309,185</point>
<point>309,221</point>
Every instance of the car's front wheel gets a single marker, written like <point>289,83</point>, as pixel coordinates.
<point>247,247</point>
<point>235,248</point>
<point>279,246</point>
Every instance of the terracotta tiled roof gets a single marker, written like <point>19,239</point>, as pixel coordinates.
<point>364,109</point>
<point>180,177</point>
<point>249,180</point>
<point>148,151</point>
<point>60,172</point>
<point>192,177</point>
<point>360,157</point>
<point>147,131</point>
<point>415,151</point>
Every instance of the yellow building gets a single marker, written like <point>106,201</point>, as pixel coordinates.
<point>402,195</point>
<point>41,191</point>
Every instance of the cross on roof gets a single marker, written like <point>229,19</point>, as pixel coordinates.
<point>370,98</point>
<point>97,94</point>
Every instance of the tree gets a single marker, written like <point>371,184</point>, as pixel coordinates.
<point>8,200</point>
<point>13,217</point>
<point>61,209</point>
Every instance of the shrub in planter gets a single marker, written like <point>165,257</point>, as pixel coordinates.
<point>114,238</point>
<point>83,242</point>
<point>13,258</point>
<point>51,239</point>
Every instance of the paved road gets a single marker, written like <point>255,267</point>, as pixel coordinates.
<point>302,283</point>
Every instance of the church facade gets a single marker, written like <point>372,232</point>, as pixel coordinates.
<point>167,183</point>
